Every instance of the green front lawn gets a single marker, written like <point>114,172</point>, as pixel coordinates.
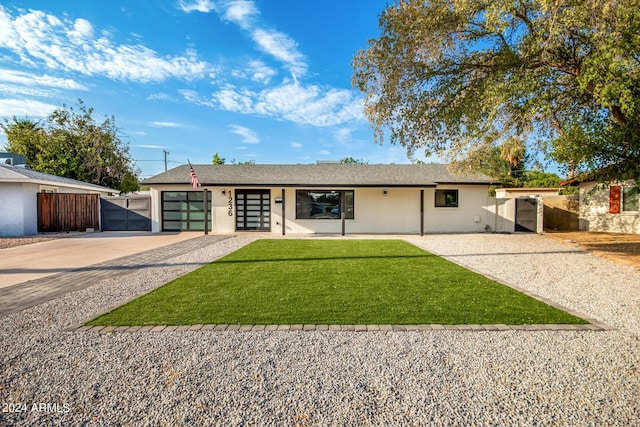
<point>333,282</point>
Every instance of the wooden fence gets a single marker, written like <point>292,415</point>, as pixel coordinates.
<point>68,212</point>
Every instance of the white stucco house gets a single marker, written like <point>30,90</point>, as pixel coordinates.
<point>612,207</point>
<point>313,198</point>
<point>19,188</point>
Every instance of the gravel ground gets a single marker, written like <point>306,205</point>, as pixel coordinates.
<point>338,378</point>
<point>12,242</point>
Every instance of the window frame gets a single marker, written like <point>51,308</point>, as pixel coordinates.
<point>48,189</point>
<point>187,216</point>
<point>343,207</point>
<point>445,190</point>
<point>623,202</point>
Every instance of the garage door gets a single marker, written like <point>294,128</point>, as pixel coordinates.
<point>126,214</point>
<point>183,210</point>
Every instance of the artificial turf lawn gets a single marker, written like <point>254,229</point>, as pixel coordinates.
<point>333,282</point>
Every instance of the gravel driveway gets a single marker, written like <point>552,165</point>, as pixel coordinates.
<point>338,378</point>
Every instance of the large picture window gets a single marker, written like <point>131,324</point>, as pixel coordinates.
<point>182,210</point>
<point>324,204</point>
<point>446,198</point>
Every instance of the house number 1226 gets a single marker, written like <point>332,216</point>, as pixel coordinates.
<point>230,212</point>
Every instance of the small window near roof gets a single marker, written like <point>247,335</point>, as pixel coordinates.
<point>446,198</point>
<point>44,189</point>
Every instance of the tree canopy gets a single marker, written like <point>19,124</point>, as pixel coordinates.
<point>353,161</point>
<point>71,144</point>
<point>459,78</point>
<point>217,160</point>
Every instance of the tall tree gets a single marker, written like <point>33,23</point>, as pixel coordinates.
<point>353,161</point>
<point>217,160</point>
<point>460,77</point>
<point>70,143</point>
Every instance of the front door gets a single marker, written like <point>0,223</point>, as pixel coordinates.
<point>253,210</point>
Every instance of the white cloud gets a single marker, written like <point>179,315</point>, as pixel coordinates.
<point>164,124</point>
<point>22,107</point>
<point>159,97</point>
<point>231,99</point>
<point>291,101</point>
<point>82,30</point>
<point>257,71</point>
<point>274,43</point>
<point>343,135</point>
<point>240,12</point>
<point>248,135</point>
<point>150,146</point>
<point>325,152</point>
<point>296,145</point>
<point>66,45</point>
<point>194,97</point>
<point>30,79</point>
<point>282,47</point>
<point>204,6</point>
<point>15,90</point>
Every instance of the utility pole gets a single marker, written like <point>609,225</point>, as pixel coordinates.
<point>165,159</point>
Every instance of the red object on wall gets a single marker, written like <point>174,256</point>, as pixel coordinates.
<point>614,199</point>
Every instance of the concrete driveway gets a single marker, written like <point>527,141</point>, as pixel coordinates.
<point>37,260</point>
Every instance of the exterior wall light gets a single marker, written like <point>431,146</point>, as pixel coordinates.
<point>385,192</point>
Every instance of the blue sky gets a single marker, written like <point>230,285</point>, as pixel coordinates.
<point>268,81</point>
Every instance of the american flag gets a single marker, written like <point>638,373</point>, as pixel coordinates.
<point>194,177</point>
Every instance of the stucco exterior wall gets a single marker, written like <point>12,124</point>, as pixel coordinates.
<point>594,212</point>
<point>374,212</point>
<point>397,212</point>
<point>19,212</point>
<point>471,215</point>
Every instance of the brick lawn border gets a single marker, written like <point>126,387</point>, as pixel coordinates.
<point>591,327</point>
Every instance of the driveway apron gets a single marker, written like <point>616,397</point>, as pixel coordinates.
<point>17,297</point>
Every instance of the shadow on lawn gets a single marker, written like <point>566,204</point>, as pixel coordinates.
<point>383,257</point>
<point>327,258</point>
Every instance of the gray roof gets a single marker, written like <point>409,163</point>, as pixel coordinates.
<point>318,175</point>
<point>15,174</point>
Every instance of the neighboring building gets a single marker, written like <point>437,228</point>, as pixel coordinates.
<point>512,193</point>
<point>303,199</point>
<point>613,207</point>
<point>536,209</point>
<point>19,188</point>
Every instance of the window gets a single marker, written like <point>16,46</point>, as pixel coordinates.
<point>446,198</point>
<point>623,199</point>
<point>46,189</point>
<point>630,199</point>
<point>182,210</point>
<point>324,204</point>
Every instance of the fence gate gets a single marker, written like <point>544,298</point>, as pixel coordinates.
<point>526,214</point>
<point>68,212</point>
<point>126,213</point>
